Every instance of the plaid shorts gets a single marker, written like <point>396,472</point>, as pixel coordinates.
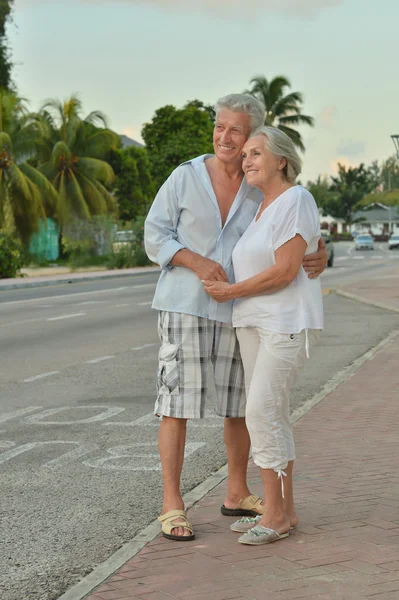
<point>188,344</point>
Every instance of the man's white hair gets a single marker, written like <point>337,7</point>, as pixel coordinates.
<point>281,145</point>
<point>246,104</point>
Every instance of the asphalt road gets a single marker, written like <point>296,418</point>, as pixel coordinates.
<point>79,472</point>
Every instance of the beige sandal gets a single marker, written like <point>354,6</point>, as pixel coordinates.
<point>168,522</point>
<point>252,506</point>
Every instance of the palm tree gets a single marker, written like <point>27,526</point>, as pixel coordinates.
<point>73,157</point>
<point>26,195</point>
<point>282,111</point>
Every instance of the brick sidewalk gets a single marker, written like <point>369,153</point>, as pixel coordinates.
<point>347,493</point>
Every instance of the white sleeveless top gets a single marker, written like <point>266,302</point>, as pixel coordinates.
<point>300,305</point>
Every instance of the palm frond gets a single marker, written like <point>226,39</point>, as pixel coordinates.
<point>95,117</point>
<point>298,119</point>
<point>294,135</point>
<point>96,169</point>
<point>99,144</point>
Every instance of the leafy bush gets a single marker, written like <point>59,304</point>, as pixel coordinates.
<point>122,258</point>
<point>10,256</point>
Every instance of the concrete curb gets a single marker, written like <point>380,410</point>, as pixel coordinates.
<point>366,301</point>
<point>130,549</point>
<point>24,283</point>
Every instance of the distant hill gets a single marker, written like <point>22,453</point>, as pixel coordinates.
<point>127,142</point>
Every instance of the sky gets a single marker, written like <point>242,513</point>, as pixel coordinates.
<point>129,57</point>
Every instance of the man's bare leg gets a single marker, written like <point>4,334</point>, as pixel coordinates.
<point>171,443</point>
<point>236,438</point>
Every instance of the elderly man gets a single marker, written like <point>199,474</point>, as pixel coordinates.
<point>196,219</point>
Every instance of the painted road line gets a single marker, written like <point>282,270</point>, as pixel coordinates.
<point>41,376</point>
<point>66,317</point>
<point>121,305</point>
<point>97,360</point>
<point>90,302</point>
<point>131,288</point>
<point>18,413</point>
<point>142,347</point>
<point>145,303</point>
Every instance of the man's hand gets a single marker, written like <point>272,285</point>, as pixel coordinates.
<point>218,290</point>
<point>209,270</point>
<point>314,264</point>
<point>204,268</point>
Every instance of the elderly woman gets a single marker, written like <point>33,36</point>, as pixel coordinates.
<point>278,315</point>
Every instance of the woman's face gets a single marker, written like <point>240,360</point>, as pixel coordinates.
<point>259,164</point>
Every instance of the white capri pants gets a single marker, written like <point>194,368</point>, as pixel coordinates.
<point>272,362</point>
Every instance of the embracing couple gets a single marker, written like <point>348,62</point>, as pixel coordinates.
<point>235,236</point>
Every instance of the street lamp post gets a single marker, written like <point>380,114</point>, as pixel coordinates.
<point>395,139</point>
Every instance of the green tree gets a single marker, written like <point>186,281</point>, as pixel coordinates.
<point>282,110</point>
<point>5,61</point>
<point>390,174</point>
<point>176,135</point>
<point>26,195</point>
<point>351,185</point>
<point>325,198</point>
<point>134,188</point>
<point>73,157</point>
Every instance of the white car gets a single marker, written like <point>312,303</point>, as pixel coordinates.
<point>364,242</point>
<point>393,242</point>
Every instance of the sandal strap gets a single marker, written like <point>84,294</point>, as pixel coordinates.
<point>252,503</point>
<point>168,521</point>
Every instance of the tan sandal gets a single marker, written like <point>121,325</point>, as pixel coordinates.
<point>168,522</point>
<point>252,506</point>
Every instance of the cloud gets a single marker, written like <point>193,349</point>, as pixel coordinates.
<point>349,148</point>
<point>327,116</point>
<point>223,8</point>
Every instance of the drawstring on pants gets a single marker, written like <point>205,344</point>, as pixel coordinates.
<point>281,474</point>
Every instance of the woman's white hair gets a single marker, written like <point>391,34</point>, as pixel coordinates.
<point>281,145</point>
<point>246,104</point>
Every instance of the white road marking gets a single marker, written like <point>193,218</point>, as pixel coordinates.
<point>142,347</point>
<point>97,360</point>
<point>145,303</point>
<point>120,305</point>
<point>210,421</point>
<point>91,302</point>
<point>358,257</point>
<point>46,306</point>
<point>107,413</point>
<point>6,444</point>
<point>66,317</point>
<point>132,288</point>
<point>81,449</point>
<point>41,376</point>
<point>18,413</point>
<point>133,452</point>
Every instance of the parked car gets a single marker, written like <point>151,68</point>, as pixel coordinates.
<point>364,242</point>
<point>329,246</point>
<point>393,242</point>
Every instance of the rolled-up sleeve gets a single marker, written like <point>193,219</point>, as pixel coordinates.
<point>160,229</point>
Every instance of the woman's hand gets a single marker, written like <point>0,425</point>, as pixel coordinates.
<point>314,264</point>
<point>218,290</point>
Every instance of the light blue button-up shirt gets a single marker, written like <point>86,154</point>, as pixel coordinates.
<point>185,214</point>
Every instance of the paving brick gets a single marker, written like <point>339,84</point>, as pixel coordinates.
<point>347,544</point>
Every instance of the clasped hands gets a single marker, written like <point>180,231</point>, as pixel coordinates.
<point>216,282</point>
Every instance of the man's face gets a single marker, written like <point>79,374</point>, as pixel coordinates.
<point>230,133</point>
